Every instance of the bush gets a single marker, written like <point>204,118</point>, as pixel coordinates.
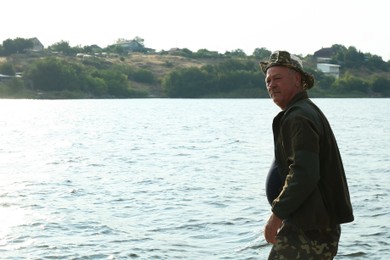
<point>381,85</point>
<point>7,69</point>
<point>54,74</point>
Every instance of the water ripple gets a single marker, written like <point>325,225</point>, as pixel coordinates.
<point>168,179</point>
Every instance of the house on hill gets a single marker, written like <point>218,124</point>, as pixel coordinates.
<point>329,69</point>
<point>324,52</point>
<point>37,45</point>
<point>96,48</point>
<point>324,58</point>
<point>133,46</point>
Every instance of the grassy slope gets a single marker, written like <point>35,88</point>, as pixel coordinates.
<point>159,65</point>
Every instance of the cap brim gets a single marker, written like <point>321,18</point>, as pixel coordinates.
<point>308,79</point>
<point>264,66</point>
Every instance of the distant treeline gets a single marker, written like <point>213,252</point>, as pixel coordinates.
<point>232,74</point>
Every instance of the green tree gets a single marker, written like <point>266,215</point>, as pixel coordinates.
<point>136,74</point>
<point>54,74</point>
<point>19,45</point>
<point>321,79</point>
<point>350,84</point>
<point>95,85</point>
<point>339,52</point>
<point>204,53</point>
<point>238,53</point>
<point>381,85</point>
<point>325,82</point>
<point>116,82</point>
<point>188,83</point>
<point>143,76</point>
<point>354,58</point>
<point>185,53</point>
<point>375,62</point>
<point>7,69</point>
<point>232,65</point>
<point>240,80</point>
<point>64,47</point>
<point>261,53</point>
<point>233,75</point>
<point>115,48</point>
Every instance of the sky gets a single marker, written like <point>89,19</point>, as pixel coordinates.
<point>300,27</point>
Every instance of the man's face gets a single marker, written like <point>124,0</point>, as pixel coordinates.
<point>282,84</point>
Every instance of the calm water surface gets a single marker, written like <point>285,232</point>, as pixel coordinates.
<point>169,179</point>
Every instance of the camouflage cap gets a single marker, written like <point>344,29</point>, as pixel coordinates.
<point>285,59</point>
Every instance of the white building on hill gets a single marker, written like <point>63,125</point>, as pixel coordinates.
<point>329,69</point>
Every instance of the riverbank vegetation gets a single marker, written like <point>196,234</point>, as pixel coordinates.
<point>62,71</point>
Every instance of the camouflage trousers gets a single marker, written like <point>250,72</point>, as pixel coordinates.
<point>293,243</point>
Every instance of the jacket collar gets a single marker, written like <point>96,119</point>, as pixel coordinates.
<point>300,96</point>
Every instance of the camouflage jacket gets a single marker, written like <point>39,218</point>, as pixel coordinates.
<point>315,192</point>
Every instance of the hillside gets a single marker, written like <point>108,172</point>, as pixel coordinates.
<point>240,72</point>
<point>159,65</point>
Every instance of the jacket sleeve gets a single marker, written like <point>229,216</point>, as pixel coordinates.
<point>300,145</point>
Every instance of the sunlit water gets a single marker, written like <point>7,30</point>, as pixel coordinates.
<point>169,179</point>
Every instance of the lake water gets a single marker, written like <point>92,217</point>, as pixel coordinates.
<point>170,178</point>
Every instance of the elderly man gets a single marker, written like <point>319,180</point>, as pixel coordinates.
<point>312,199</point>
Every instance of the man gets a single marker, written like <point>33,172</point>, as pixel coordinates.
<point>314,199</point>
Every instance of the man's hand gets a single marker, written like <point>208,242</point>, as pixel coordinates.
<point>272,228</point>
